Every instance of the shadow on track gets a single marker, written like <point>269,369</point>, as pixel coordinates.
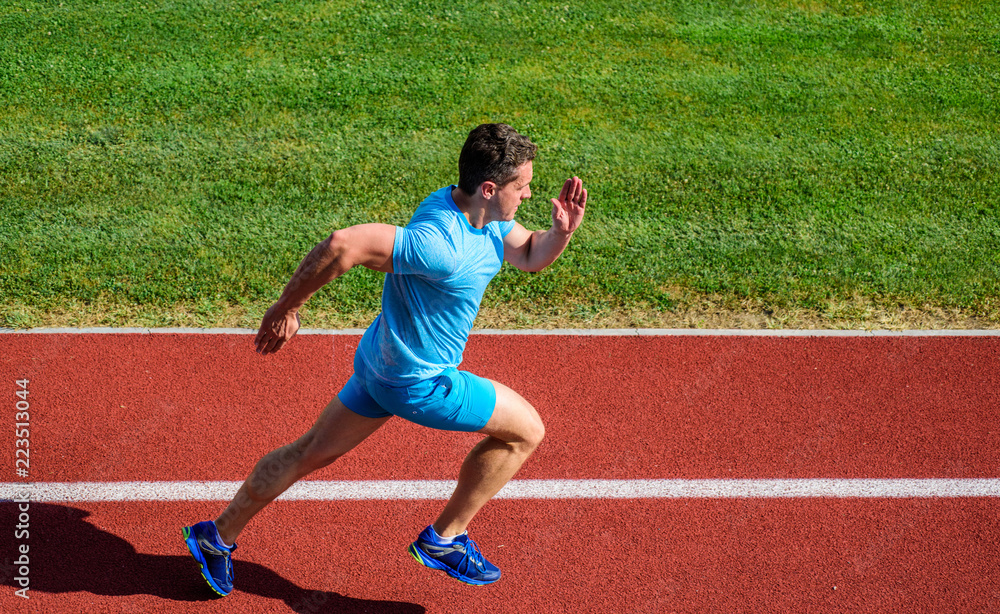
<point>72,555</point>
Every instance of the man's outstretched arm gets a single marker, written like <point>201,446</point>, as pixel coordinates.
<point>533,251</point>
<point>368,245</point>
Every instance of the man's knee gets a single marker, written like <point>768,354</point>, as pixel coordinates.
<point>536,431</point>
<point>515,421</point>
<point>531,429</point>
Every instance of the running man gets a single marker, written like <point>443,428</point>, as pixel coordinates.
<point>437,269</point>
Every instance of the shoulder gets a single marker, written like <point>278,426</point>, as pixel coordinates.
<point>504,228</point>
<point>426,245</point>
<point>436,209</point>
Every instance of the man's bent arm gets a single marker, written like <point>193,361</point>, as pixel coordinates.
<point>369,245</point>
<point>533,251</point>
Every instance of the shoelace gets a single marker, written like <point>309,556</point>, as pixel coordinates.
<point>229,564</point>
<point>473,554</point>
<point>227,557</point>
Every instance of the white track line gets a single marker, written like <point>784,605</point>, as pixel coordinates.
<point>572,332</point>
<point>517,489</point>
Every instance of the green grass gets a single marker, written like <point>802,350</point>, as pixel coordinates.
<point>171,162</point>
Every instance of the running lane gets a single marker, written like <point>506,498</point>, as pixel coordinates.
<point>167,407</point>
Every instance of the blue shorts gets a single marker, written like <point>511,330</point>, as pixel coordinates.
<point>453,401</point>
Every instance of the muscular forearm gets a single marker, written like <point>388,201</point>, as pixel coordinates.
<point>327,261</point>
<point>544,247</point>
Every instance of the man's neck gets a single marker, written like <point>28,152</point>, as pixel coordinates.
<point>472,208</point>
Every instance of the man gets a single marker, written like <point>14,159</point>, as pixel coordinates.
<point>437,269</point>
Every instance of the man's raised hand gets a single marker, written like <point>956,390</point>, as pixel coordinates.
<point>568,209</point>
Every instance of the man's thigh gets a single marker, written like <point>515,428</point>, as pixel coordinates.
<point>514,418</point>
<point>452,401</point>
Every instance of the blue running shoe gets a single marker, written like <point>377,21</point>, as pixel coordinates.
<point>212,555</point>
<point>460,559</point>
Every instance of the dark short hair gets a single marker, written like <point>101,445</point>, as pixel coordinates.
<point>493,152</point>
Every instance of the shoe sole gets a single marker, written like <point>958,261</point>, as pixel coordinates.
<point>192,544</point>
<point>432,564</point>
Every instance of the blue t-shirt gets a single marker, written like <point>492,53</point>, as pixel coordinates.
<point>441,267</point>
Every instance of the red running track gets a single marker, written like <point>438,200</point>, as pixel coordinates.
<point>205,407</point>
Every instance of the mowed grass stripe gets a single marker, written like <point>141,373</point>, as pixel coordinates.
<point>170,165</point>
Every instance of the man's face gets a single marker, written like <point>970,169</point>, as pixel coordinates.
<point>505,200</point>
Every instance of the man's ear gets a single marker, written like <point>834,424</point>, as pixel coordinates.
<point>488,189</point>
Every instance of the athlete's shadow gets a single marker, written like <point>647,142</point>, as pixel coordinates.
<point>68,554</point>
